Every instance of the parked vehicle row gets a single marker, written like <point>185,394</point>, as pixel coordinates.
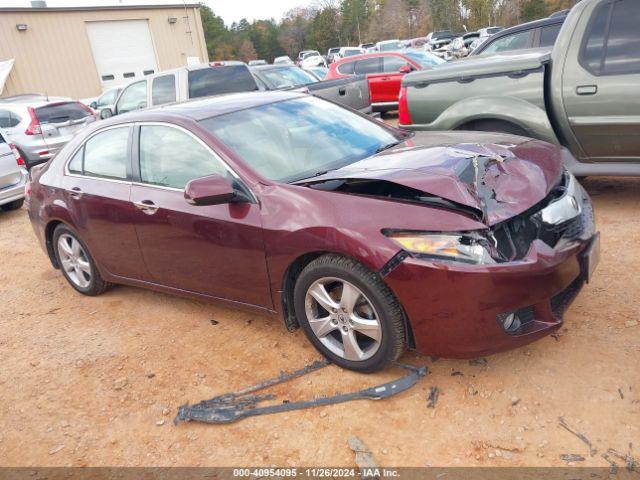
<point>580,95</point>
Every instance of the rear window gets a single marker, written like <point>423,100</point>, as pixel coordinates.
<point>549,34</point>
<point>61,112</point>
<point>218,80</point>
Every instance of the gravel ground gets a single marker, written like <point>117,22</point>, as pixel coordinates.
<point>96,381</point>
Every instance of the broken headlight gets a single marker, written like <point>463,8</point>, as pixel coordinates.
<point>459,247</point>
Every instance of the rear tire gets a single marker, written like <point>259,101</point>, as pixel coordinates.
<point>76,262</point>
<point>358,323</point>
<point>15,205</point>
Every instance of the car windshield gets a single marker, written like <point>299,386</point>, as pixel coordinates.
<point>351,52</point>
<point>299,138</point>
<point>286,77</point>
<point>390,46</point>
<point>424,59</point>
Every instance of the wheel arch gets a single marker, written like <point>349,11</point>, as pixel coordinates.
<point>521,113</point>
<point>48,239</point>
<point>289,280</point>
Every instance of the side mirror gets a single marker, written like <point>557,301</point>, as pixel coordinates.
<point>212,190</point>
<point>94,105</point>
<point>405,69</point>
<point>106,113</point>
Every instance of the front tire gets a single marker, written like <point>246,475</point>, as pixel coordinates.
<point>349,314</point>
<point>76,262</point>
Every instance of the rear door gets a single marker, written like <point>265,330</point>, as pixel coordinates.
<point>215,250</point>
<point>601,83</point>
<point>97,190</point>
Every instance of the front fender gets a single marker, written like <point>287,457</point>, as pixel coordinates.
<point>526,115</point>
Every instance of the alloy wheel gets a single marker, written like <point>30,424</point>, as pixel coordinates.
<point>74,261</point>
<point>343,319</point>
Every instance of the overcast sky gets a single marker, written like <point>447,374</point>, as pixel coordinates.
<point>230,10</point>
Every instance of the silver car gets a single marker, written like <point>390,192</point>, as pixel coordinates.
<point>105,103</point>
<point>13,175</point>
<point>40,126</point>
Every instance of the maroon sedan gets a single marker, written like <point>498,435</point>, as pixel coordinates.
<point>370,238</point>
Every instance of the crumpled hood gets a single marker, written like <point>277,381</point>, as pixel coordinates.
<point>498,175</point>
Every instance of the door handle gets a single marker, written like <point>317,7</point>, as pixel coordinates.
<point>342,91</point>
<point>587,89</point>
<point>146,206</point>
<point>76,193</point>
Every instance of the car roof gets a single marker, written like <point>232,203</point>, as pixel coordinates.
<point>201,108</point>
<point>542,22</point>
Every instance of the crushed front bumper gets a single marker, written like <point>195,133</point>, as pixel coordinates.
<point>455,309</point>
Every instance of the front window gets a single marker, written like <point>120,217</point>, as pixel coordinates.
<point>172,158</point>
<point>163,90</point>
<point>134,97</point>
<point>285,77</point>
<point>296,139</point>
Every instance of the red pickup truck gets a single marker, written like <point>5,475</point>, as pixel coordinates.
<point>384,72</point>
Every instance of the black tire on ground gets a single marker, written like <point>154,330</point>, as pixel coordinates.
<point>15,205</point>
<point>494,126</point>
<point>96,285</point>
<point>387,307</point>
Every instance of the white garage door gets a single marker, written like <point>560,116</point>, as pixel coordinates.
<point>122,49</point>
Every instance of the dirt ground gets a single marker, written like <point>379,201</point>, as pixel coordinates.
<point>96,381</point>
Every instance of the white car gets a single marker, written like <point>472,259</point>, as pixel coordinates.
<point>13,175</point>
<point>284,60</point>
<point>389,45</point>
<point>312,59</point>
<point>348,52</point>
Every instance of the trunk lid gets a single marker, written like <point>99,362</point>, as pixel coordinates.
<point>499,176</point>
<point>463,70</point>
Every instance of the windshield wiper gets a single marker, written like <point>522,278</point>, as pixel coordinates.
<point>387,146</point>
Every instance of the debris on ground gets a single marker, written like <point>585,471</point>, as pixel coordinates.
<point>613,466</point>
<point>434,392</point>
<point>515,401</point>
<point>457,373</point>
<point>233,406</point>
<point>582,437</point>
<point>572,457</point>
<point>364,457</point>
<point>478,362</point>
<point>631,463</point>
<point>214,322</point>
<point>621,394</point>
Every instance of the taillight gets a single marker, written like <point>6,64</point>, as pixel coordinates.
<point>34,125</point>
<point>16,154</point>
<point>404,116</point>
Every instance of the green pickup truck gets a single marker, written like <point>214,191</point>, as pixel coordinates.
<point>584,94</point>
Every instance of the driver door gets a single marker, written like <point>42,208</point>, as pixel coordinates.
<point>215,250</point>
